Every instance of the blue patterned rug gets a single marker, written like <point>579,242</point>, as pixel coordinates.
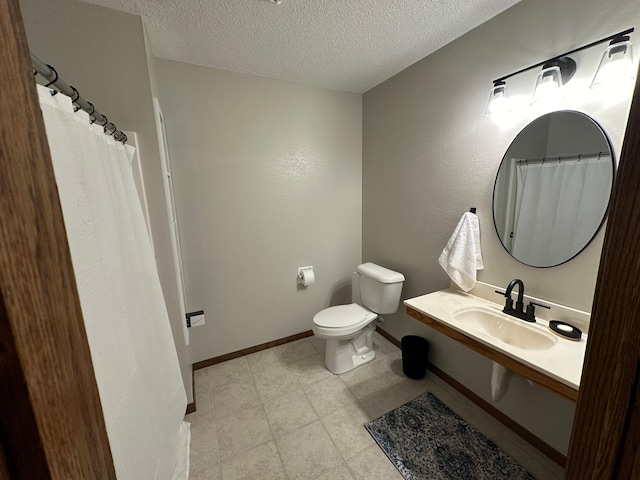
<point>426,440</point>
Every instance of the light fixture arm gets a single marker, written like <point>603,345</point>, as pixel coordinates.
<point>558,57</point>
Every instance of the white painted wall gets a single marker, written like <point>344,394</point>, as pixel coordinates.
<point>429,154</point>
<point>267,177</point>
<point>102,53</point>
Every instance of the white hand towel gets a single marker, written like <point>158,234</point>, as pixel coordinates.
<point>462,257</point>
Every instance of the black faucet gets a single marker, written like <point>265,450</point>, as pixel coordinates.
<point>519,311</point>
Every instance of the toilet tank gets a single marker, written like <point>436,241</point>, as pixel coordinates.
<point>380,288</point>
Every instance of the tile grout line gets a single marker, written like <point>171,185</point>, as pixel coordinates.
<point>342,459</point>
<point>262,402</point>
<point>235,454</point>
<point>275,444</point>
<point>319,419</point>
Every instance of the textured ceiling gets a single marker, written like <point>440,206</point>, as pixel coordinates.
<point>350,45</point>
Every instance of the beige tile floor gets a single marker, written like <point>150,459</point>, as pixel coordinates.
<point>280,414</point>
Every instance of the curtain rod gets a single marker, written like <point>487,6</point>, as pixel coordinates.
<point>79,103</point>
<point>561,158</point>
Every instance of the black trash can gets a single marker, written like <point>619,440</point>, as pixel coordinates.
<point>415,352</point>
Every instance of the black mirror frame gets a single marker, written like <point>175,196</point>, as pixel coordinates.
<point>606,212</point>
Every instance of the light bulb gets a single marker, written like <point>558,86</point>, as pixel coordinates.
<point>548,85</point>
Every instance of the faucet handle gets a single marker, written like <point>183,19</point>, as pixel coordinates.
<point>508,304</point>
<point>540,305</point>
<point>531,311</point>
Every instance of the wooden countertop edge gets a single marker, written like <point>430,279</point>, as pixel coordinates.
<point>512,364</point>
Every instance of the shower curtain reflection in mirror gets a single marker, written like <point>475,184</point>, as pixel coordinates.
<point>554,207</point>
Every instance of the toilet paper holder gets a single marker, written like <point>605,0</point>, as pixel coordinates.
<point>305,276</point>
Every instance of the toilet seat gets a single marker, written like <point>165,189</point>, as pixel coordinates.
<point>342,320</point>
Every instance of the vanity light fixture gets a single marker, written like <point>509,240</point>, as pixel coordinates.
<point>558,70</point>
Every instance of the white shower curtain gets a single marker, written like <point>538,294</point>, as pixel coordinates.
<point>559,205</point>
<point>134,358</point>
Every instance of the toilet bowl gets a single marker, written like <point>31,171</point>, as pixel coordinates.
<point>348,329</point>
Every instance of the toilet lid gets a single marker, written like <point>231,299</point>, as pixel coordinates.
<point>340,316</point>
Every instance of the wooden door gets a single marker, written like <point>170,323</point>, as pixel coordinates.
<point>605,441</point>
<point>51,422</point>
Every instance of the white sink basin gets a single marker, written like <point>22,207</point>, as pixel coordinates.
<point>507,329</point>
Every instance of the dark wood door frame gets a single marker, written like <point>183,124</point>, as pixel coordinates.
<point>605,438</point>
<point>51,421</point>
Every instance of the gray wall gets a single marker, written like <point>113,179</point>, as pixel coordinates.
<point>429,154</point>
<point>102,53</point>
<point>267,177</point>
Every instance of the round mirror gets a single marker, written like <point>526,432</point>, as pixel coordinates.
<point>552,189</point>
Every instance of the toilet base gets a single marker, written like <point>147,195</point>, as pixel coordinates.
<point>345,354</point>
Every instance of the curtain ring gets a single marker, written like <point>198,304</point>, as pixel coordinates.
<point>92,119</point>
<point>559,159</point>
<point>76,93</point>
<point>75,98</point>
<point>579,157</point>
<point>107,128</point>
<point>55,79</point>
<point>543,159</point>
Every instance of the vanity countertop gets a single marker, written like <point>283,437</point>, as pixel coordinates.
<point>558,367</point>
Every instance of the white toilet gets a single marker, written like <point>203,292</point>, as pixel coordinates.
<point>348,329</point>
